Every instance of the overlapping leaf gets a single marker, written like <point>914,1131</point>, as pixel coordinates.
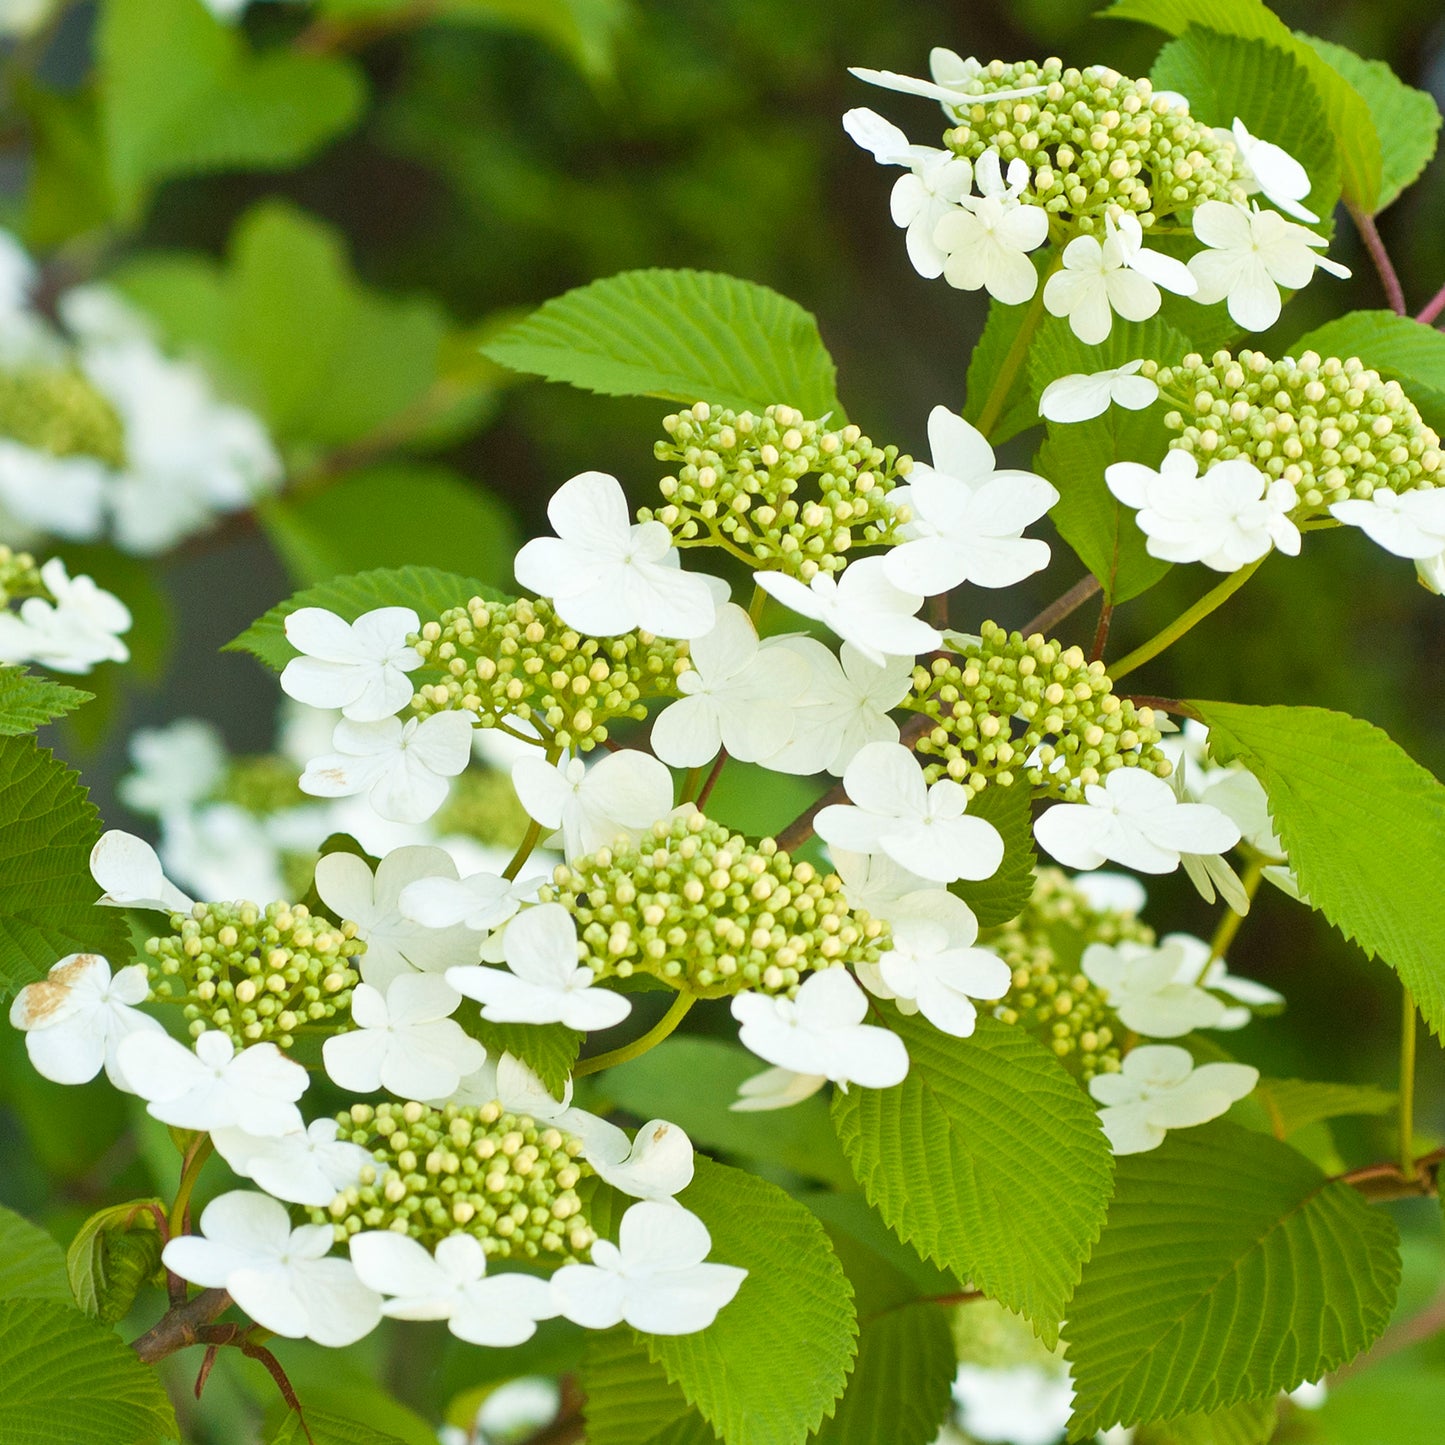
<point>32,1264</point>
<point>27,702</point>
<point>630,1400</point>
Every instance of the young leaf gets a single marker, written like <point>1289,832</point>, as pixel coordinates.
<point>1337,788</point>
<point>1231,1268</point>
<point>32,1265</point>
<point>1004,896</point>
<point>774,1362</point>
<point>1395,346</point>
<point>684,336</point>
<point>630,1400</point>
<point>113,1254</point>
<point>988,1159</point>
<point>27,702</point>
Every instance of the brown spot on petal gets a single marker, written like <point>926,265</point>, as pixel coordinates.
<point>660,1133</point>
<point>43,999</point>
<point>334,775</point>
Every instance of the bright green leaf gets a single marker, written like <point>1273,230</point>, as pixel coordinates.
<point>1007,892</point>
<point>1390,1403</point>
<point>328,1429</point>
<point>1251,1422</point>
<point>684,336</point>
<point>985,367</point>
<point>69,189</point>
<point>549,1050</point>
<point>113,1255</point>
<point>27,702</point>
<point>630,1400</point>
<point>1285,1106</point>
<point>32,1264</point>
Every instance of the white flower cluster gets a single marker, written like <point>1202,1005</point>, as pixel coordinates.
<point>71,628</point>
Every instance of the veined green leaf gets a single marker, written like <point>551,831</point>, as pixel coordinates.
<point>549,1050</point>
<point>630,1400</point>
<point>1251,1422</point>
<point>32,1264</point>
<point>1004,896</point>
<point>327,1429</point>
<point>1285,1106</point>
<point>27,702</point>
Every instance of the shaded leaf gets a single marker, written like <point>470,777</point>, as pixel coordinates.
<point>113,1255</point>
<point>32,1264</point>
<point>630,1400</point>
<point>1004,896</point>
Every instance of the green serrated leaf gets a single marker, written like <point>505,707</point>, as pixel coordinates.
<point>1285,1106</point>
<point>630,1400</point>
<point>549,1050</point>
<point>985,364</point>
<point>47,896</point>
<point>684,336</point>
<point>324,1428</point>
<point>774,1362</point>
<point>27,702</point>
<point>988,1159</point>
<point>114,1253</point>
<point>1337,786</point>
<point>69,1378</point>
<point>1251,1422</point>
<point>1231,1269</point>
<point>32,1264</point>
<point>1005,895</point>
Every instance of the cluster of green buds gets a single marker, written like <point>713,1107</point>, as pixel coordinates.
<point>1009,706</point>
<point>736,485</point>
<point>699,907</point>
<point>54,409</point>
<point>518,661</point>
<point>19,576</point>
<point>504,1178</point>
<point>1050,996</point>
<point>1332,427</point>
<point>1094,140</point>
<point>254,973</point>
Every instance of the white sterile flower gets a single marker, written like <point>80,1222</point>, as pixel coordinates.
<point>861,606</point>
<point>955,84</point>
<point>1111,892</point>
<point>894,811</point>
<point>395,944</point>
<point>401,767</point>
<point>986,240</point>
<point>279,1276</point>
<point>1158,1088</point>
<point>75,1018</point>
<point>405,1040</point>
<point>624,793</point>
<point>130,875</point>
<point>936,181</point>
<point>451,1285</point>
<point>873,881</point>
<point>1270,169</point>
<point>62,496</point>
<point>360,667</point>
<point>1198,966</point>
<point>303,1166</point>
<point>821,1032</point>
<point>1023,1404</point>
<point>1408,524</point>
<point>775,1089</point>
<point>477,903</point>
<point>844,704</point>
<point>1148,988</point>
<point>1133,819</point>
<point>653,1279</point>
<point>1252,253</point>
<point>606,574</point>
<point>1093,283</point>
<point>968,518</point>
<point>173,767</point>
<point>543,982</point>
<point>1081,396</point>
<point>1128,235</point>
<point>79,629</point>
<point>215,1087</point>
<point>1431,572</point>
<point>1227,518</point>
<point>736,696</point>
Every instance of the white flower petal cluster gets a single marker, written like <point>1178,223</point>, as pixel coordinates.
<point>1152,989</point>
<point>1270,169</point>
<point>606,575</point>
<point>1198,966</point>
<point>987,240</point>
<point>475,904</point>
<point>624,793</point>
<point>80,628</point>
<point>173,767</point>
<point>967,517</point>
<point>1158,1088</point>
<point>1081,396</point>
<point>359,667</point>
<point>302,1166</point>
<point>775,1089</point>
<point>130,875</point>
<point>1228,517</point>
<point>1407,524</point>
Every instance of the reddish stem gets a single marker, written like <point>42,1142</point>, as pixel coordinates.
<point>1375,245</point>
<point>1432,308</point>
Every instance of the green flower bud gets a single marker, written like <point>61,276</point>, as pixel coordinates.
<point>57,410</point>
<point>19,576</point>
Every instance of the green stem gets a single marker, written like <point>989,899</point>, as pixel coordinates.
<point>756,604</point>
<point>1186,620</point>
<point>654,1036</point>
<point>1408,1031</point>
<point>691,782</point>
<point>195,1161</point>
<point>524,850</point>
<point>1229,924</point>
<point>1008,372</point>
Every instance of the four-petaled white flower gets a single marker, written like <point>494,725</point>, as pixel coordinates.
<point>405,1040</point>
<point>279,1276</point>
<point>452,1285</point>
<point>968,518</point>
<point>1082,395</point>
<point>956,83</point>
<point>1408,524</point>
<point>129,871</point>
<point>215,1087</point>
<point>624,793</point>
<point>861,606</point>
<point>986,240</point>
<point>653,1279</point>
<point>1226,518</point>
<point>80,628</point>
<point>821,1032</point>
<point>936,181</point>
<point>360,667</point>
<point>1133,819</point>
<point>1148,988</point>
<point>1252,253</point>
<point>401,767</point>
<point>77,1015</point>
<point>1094,282</point>
<point>303,1166</point>
<point>478,903</point>
<point>1158,1088</point>
<point>606,575</point>
<point>395,945</point>
<point>543,982</point>
<point>1269,169</point>
<point>736,696</point>
<point>894,811</point>
<point>1198,965</point>
<point>1128,234</point>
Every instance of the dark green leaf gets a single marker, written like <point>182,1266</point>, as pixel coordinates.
<point>1004,896</point>
<point>327,1429</point>
<point>985,369</point>
<point>630,1400</point>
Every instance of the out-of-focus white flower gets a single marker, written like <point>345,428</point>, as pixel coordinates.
<point>22,18</point>
<point>1150,988</point>
<point>80,628</point>
<point>303,1166</point>
<point>986,240</point>
<point>221,850</point>
<point>129,873</point>
<point>1197,966</point>
<point>624,793</point>
<point>1013,1404</point>
<point>1158,1088</point>
<point>1263,166</point>
<point>360,667</point>
<point>64,496</point>
<point>1111,892</point>
<point>174,767</point>
<point>1081,396</point>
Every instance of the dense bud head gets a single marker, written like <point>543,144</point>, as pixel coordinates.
<point>19,576</point>
<point>254,973</point>
<point>54,409</point>
<point>707,912</point>
<point>740,478</point>
<point>507,1179</point>
<point>517,661</point>
<point>1005,696</point>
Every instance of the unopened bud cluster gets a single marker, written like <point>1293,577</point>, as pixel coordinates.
<point>254,973</point>
<point>504,1178</point>
<point>517,661</point>
<point>1095,139</point>
<point>19,576</point>
<point>738,476</point>
<point>57,411</point>
<point>1332,427</point>
<point>1010,707</point>
<point>1050,996</point>
<point>699,907</point>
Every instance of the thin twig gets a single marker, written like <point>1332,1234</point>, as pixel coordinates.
<point>1432,308</point>
<point>182,1326</point>
<point>1101,632</point>
<point>1375,245</point>
<point>1062,607</point>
